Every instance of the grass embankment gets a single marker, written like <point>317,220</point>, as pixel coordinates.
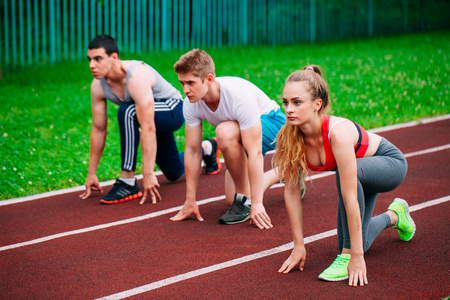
<point>46,118</point>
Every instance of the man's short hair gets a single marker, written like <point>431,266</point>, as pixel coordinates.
<point>196,61</point>
<point>106,42</point>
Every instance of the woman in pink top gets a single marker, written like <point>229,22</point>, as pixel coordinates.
<point>365,164</point>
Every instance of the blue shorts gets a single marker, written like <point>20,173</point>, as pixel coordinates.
<point>271,123</point>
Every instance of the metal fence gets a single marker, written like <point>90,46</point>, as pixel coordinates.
<point>48,31</point>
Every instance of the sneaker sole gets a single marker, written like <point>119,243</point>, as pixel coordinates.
<point>216,171</point>
<point>219,165</point>
<point>233,222</point>
<point>409,217</point>
<point>131,197</point>
<point>333,279</point>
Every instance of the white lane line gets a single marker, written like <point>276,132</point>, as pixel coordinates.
<point>426,151</point>
<point>410,124</point>
<point>107,225</point>
<point>81,188</point>
<point>213,268</point>
<point>175,209</point>
<point>244,259</point>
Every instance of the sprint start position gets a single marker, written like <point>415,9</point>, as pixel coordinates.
<point>146,102</point>
<point>365,163</point>
<point>247,122</point>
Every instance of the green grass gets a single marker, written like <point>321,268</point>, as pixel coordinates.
<point>45,111</point>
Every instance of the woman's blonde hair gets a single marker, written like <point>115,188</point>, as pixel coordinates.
<point>290,155</point>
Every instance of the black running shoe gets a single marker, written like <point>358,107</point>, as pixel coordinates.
<point>212,163</point>
<point>122,192</point>
<point>238,212</point>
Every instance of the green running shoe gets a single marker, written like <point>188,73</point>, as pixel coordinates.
<point>405,225</point>
<point>337,270</point>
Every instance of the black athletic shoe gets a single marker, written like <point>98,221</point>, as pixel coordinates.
<point>212,163</point>
<point>238,212</point>
<point>122,192</point>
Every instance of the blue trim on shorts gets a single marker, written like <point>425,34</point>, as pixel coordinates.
<point>271,123</point>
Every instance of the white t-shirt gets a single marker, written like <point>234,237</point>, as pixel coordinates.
<point>240,100</point>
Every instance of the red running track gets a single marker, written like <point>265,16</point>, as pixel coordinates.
<point>62,247</point>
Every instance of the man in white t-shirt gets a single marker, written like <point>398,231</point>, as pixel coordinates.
<point>247,122</point>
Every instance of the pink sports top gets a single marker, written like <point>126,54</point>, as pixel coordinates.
<point>330,163</point>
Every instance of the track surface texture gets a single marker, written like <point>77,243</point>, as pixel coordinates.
<point>57,246</point>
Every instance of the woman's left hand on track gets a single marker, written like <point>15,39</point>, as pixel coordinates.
<point>357,271</point>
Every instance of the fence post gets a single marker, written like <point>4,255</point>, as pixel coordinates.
<point>112,31</point>
<point>118,36</point>
<point>65,34</point>
<point>144,25</point>
<point>151,25</point>
<point>36,31</point>
<point>100,22</point>
<point>58,31</point>
<point>106,19</point>
<point>370,16</point>
<point>78,21</point>
<point>187,21</point>
<point>6,34</point>
<point>13,33</point>
<point>132,32</point>
<point>91,21</point>
<point>126,20</point>
<point>244,21</point>
<point>85,25</point>
<point>5,44</point>
<point>21,35</point>
<point>51,27</point>
<point>312,21</point>
<point>164,26</point>
<point>157,23</point>
<point>422,15</point>
<point>29,53</point>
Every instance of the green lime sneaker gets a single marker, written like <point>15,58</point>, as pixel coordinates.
<point>337,270</point>
<point>405,225</point>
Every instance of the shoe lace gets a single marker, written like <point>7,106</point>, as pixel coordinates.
<point>117,186</point>
<point>339,262</point>
<point>235,208</point>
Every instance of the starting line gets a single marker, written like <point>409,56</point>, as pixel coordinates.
<point>175,209</point>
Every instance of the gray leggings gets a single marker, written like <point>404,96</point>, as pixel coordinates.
<point>380,173</point>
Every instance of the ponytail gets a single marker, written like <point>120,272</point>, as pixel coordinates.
<point>290,154</point>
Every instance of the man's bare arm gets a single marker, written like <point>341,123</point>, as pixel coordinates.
<point>192,166</point>
<point>140,89</point>
<point>98,137</point>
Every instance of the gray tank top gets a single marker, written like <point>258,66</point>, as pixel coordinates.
<point>162,91</point>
